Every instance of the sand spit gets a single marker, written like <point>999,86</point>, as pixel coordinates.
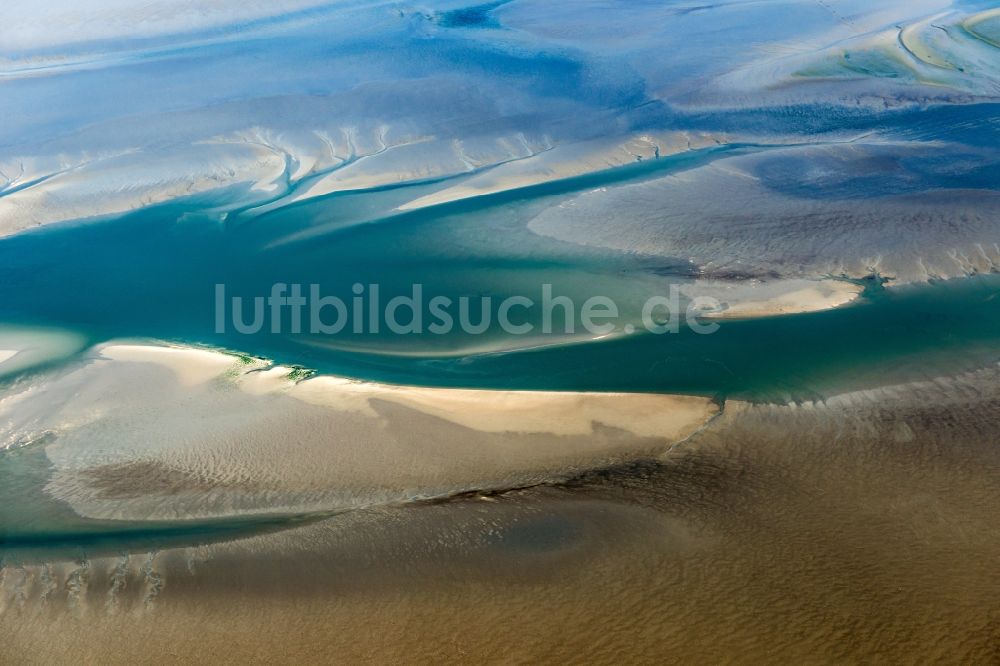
<point>153,432</point>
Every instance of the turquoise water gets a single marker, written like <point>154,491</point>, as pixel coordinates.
<point>912,333</point>
<point>152,274</point>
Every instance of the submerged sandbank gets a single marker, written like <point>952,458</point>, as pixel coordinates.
<point>25,347</point>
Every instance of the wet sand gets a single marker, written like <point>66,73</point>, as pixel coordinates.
<point>860,530</point>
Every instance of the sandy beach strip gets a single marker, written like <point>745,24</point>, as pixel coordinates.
<point>559,413</point>
<point>153,432</point>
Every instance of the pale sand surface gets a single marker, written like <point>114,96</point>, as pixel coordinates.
<point>7,353</point>
<point>859,530</point>
<point>149,432</point>
<point>667,416</point>
<point>645,415</point>
<point>779,298</point>
<point>191,366</point>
